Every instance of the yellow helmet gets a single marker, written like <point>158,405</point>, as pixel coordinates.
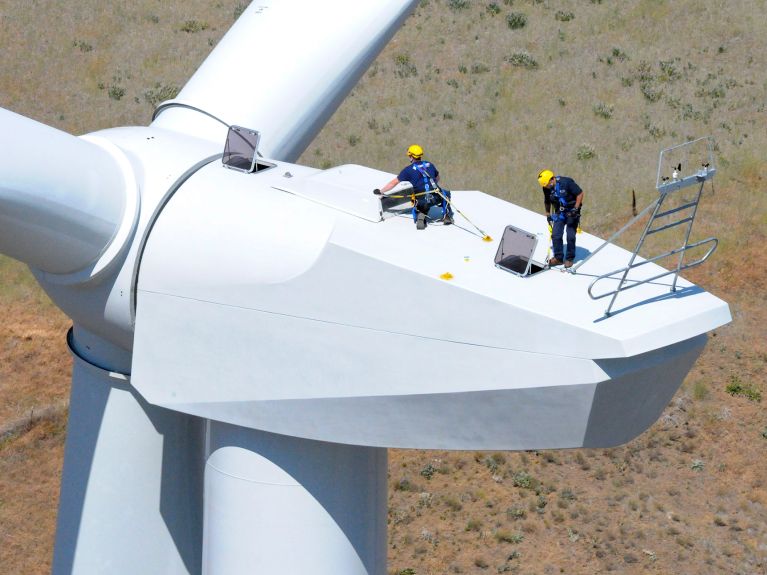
<point>544,177</point>
<point>415,151</point>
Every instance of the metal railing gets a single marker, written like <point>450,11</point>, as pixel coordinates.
<point>666,186</point>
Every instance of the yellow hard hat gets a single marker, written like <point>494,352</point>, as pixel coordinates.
<point>545,177</point>
<point>415,151</point>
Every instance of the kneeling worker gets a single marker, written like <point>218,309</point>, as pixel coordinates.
<point>423,176</point>
<point>562,198</point>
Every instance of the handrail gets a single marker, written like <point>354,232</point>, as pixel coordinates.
<point>666,186</point>
<point>656,258</point>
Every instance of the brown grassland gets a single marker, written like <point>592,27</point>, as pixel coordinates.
<point>494,91</point>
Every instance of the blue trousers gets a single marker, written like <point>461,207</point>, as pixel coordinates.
<point>558,227</point>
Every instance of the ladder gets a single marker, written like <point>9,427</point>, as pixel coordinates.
<point>670,163</point>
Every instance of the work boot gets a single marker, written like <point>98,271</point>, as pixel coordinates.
<point>420,222</point>
<point>555,262</point>
<point>568,263</point>
<point>447,220</point>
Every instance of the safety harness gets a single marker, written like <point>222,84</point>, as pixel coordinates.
<point>431,189</point>
<point>564,208</point>
<point>560,196</point>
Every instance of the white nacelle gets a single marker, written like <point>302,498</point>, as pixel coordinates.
<point>272,300</point>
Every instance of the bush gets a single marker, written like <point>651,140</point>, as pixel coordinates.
<point>603,110</point>
<point>428,471</point>
<point>563,16</point>
<point>239,9</point>
<point>116,92</point>
<point>458,4</point>
<point>737,387</point>
<point>507,537</point>
<point>524,480</point>
<point>473,525</point>
<point>404,68</point>
<point>516,513</point>
<point>404,484</point>
<point>522,60</point>
<point>194,26</point>
<point>586,152</point>
<point>516,20</point>
<point>160,93</point>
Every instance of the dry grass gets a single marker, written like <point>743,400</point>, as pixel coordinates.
<point>689,495</point>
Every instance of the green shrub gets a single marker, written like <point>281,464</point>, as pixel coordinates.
<point>522,60</point>
<point>567,494</point>
<point>404,484</point>
<point>473,525</point>
<point>619,54</point>
<point>160,93</point>
<point>586,152</point>
<point>524,480</point>
<point>516,513</point>
<point>564,16</point>
<point>239,9</point>
<point>516,20</point>
<point>669,73</point>
<point>82,45</point>
<point>458,4</point>
<point>603,110</point>
<point>508,537</point>
<point>737,387</point>
<point>404,68</point>
<point>428,471</point>
<point>650,91</point>
<point>194,26</point>
<point>116,92</point>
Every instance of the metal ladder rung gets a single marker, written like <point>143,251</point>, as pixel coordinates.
<point>679,209</point>
<point>671,225</point>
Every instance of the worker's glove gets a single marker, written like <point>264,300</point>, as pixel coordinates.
<point>549,219</point>
<point>575,213</point>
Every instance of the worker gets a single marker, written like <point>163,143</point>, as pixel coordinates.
<point>562,198</point>
<point>430,202</point>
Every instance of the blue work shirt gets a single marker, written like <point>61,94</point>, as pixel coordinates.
<point>416,178</point>
<point>563,194</point>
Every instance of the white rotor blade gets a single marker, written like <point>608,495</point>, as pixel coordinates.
<point>283,69</point>
<point>62,198</point>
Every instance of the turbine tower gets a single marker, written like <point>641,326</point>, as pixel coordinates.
<point>236,379</point>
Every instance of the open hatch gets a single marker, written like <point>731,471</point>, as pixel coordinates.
<point>241,150</point>
<point>516,252</point>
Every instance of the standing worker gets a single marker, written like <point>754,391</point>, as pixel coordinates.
<point>562,198</point>
<point>423,176</point>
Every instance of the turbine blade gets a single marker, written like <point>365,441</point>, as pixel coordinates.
<point>62,198</point>
<point>283,69</point>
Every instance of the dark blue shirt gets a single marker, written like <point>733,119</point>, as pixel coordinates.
<point>419,182</point>
<point>563,194</point>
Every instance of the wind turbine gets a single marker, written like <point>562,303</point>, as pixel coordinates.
<point>237,376</point>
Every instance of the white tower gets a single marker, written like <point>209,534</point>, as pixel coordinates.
<point>237,377</point>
